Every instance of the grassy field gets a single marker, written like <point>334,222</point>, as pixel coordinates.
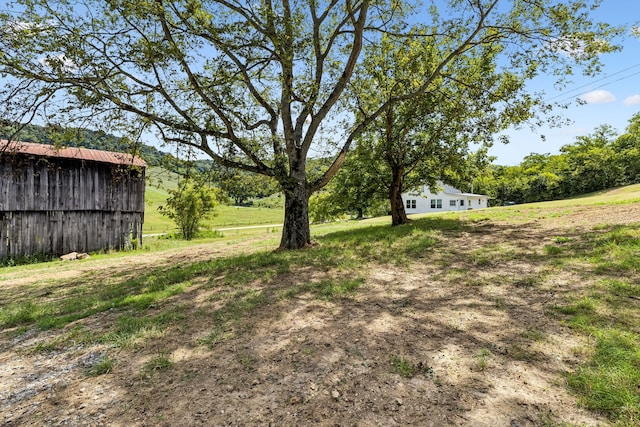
<point>160,181</point>
<point>523,315</point>
<point>225,216</point>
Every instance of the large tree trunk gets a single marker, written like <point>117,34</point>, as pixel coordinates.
<point>296,233</point>
<point>398,214</point>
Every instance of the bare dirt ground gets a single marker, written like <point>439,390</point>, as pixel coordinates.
<point>481,341</point>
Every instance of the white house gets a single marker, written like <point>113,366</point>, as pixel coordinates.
<point>422,200</point>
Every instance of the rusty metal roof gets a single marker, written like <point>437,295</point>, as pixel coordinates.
<point>44,150</point>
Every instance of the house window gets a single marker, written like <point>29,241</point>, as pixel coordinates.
<point>452,203</point>
<point>479,202</point>
<point>461,202</point>
<point>411,204</point>
<point>436,203</point>
<point>433,203</point>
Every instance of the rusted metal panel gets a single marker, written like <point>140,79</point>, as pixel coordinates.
<point>44,150</point>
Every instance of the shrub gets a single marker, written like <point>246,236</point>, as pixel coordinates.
<point>189,205</point>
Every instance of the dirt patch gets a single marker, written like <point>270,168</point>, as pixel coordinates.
<point>462,337</point>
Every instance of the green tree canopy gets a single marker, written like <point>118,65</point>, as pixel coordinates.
<point>593,162</point>
<point>429,137</point>
<point>256,84</point>
<point>627,149</point>
<point>359,188</point>
<point>240,186</point>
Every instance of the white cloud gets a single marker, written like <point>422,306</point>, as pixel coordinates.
<point>632,100</point>
<point>58,60</point>
<point>598,97</point>
<point>579,49</point>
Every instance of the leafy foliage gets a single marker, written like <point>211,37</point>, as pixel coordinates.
<point>357,190</point>
<point>189,205</point>
<point>424,139</point>
<point>241,186</point>
<point>257,85</point>
<point>594,162</point>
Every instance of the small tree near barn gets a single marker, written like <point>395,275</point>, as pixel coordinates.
<point>189,205</point>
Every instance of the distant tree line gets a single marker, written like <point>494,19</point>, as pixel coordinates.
<point>597,161</point>
<point>75,137</point>
<point>594,162</point>
<point>239,186</point>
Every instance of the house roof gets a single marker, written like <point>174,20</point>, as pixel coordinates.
<point>77,153</point>
<point>473,195</point>
<point>446,188</point>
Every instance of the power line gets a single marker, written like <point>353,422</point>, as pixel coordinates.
<point>565,94</point>
<point>598,87</point>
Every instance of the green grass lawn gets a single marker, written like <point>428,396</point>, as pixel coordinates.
<point>235,216</point>
<point>627,194</point>
<point>602,304</point>
<point>609,380</point>
<point>225,216</point>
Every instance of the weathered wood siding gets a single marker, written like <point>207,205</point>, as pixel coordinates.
<point>55,206</point>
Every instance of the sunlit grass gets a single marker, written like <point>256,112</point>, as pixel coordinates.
<point>156,193</point>
<point>625,195</point>
<point>608,381</point>
<point>139,293</point>
<point>241,283</point>
<point>131,330</point>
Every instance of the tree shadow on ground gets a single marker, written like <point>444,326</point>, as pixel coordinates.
<point>316,336</point>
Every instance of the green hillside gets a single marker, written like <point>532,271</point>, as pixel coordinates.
<point>626,194</point>
<point>75,137</point>
<point>159,181</point>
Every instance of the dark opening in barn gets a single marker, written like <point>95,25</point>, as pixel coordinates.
<point>56,201</point>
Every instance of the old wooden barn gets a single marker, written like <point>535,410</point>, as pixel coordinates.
<point>56,201</point>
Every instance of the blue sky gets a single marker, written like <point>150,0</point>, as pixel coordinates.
<point>611,97</point>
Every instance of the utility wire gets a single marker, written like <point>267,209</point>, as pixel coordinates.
<point>595,81</point>
<point>568,97</point>
<point>597,87</point>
